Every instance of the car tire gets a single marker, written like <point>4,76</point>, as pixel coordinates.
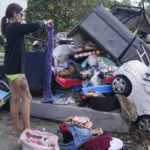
<point>121,85</point>
<point>143,123</point>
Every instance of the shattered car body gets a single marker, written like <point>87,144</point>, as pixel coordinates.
<point>134,71</point>
<point>129,78</point>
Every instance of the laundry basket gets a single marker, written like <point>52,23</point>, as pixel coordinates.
<point>37,140</point>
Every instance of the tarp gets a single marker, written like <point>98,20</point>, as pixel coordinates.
<point>132,17</point>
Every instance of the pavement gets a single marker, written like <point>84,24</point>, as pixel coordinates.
<point>8,141</point>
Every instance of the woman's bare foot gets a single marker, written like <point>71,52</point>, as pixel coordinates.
<point>17,130</point>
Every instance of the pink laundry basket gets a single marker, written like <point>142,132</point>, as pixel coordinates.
<point>37,140</point>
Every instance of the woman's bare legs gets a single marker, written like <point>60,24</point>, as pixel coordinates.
<point>19,89</point>
<point>14,108</point>
<point>26,100</point>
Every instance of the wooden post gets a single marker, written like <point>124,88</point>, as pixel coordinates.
<point>135,32</point>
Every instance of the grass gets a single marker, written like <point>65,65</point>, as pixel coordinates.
<point>1,57</point>
<point>1,49</point>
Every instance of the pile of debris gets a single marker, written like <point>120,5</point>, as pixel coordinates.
<point>98,59</point>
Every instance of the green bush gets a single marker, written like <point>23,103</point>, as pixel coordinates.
<point>65,13</point>
<point>2,49</point>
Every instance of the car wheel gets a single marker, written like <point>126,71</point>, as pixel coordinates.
<point>143,123</point>
<point>121,85</point>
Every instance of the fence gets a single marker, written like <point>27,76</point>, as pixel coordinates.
<point>1,58</point>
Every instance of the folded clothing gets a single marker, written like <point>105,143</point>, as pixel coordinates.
<point>101,142</point>
<point>80,136</point>
<point>61,101</point>
<point>80,121</point>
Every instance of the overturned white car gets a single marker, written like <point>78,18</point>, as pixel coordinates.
<point>132,79</point>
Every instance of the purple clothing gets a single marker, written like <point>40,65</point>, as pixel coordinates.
<point>48,66</point>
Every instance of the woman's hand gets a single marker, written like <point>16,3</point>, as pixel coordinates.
<point>49,23</point>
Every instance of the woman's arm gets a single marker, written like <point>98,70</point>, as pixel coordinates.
<point>27,28</point>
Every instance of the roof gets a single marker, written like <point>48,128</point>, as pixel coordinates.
<point>132,17</point>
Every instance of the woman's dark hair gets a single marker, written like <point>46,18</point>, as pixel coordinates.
<point>9,14</point>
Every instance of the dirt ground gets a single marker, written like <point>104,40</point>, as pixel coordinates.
<point>134,140</point>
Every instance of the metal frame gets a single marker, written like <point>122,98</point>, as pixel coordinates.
<point>5,84</point>
<point>144,53</point>
<point>33,38</point>
<point>127,7</point>
<point>131,11</point>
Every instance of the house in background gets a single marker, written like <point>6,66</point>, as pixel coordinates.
<point>134,18</point>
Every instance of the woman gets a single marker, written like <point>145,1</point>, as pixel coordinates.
<point>13,31</point>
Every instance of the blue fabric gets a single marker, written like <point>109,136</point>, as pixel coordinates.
<point>80,136</point>
<point>55,97</point>
<point>3,94</point>
<point>68,146</point>
<point>48,66</point>
<point>66,65</point>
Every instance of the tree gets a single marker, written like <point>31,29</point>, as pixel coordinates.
<point>65,13</point>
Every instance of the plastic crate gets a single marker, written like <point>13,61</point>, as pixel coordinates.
<point>67,83</point>
<point>101,88</point>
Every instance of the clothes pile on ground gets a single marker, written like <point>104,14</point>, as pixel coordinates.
<point>76,132</point>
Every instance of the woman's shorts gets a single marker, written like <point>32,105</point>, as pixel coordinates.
<point>13,76</point>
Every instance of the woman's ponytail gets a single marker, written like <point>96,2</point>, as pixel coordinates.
<point>11,8</point>
<point>3,24</point>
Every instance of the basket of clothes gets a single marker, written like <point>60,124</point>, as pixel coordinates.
<point>38,140</point>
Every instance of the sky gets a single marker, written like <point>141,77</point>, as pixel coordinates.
<point>134,2</point>
<point>5,3</point>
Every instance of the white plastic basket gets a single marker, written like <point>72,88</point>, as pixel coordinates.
<point>37,140</point>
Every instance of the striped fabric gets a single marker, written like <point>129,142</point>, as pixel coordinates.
<point>84,54</point>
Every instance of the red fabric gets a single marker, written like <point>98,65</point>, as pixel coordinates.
<point>101,142</point>
<point>63,128</point>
